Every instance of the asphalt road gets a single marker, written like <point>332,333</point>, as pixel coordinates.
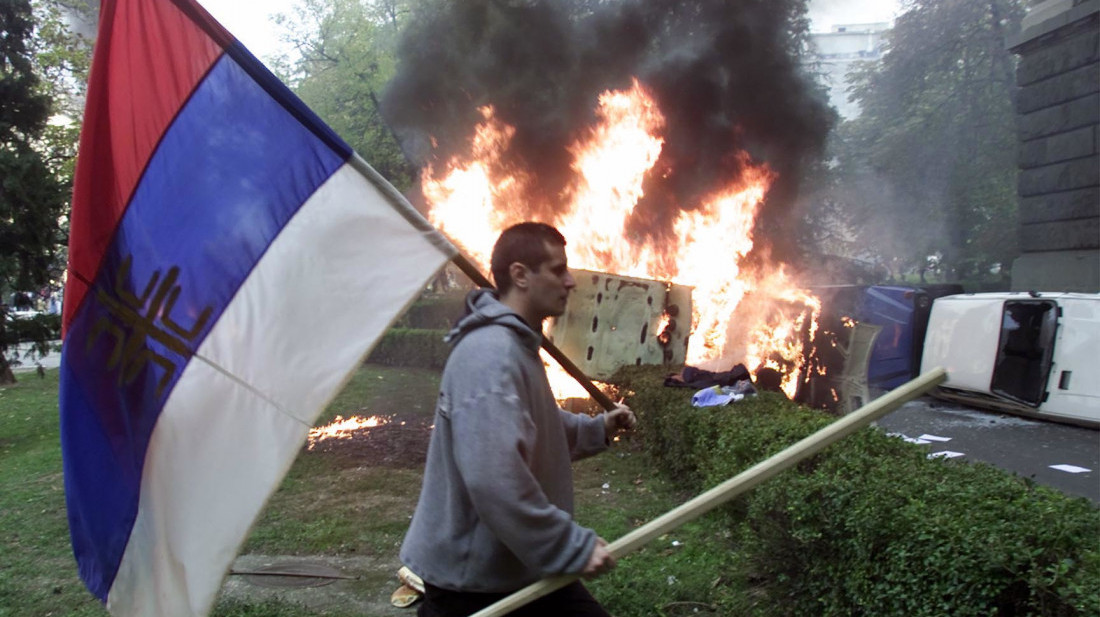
<point>1029,448</point>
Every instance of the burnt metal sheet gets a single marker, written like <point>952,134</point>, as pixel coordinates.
<point>613,321</point>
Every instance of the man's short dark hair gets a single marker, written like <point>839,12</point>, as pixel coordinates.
<point>525,243</point>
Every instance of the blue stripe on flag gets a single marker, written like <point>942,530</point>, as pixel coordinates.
<point>231,171</point>
<point>281,93</point>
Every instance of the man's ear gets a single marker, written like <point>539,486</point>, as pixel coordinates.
<point>519,273</point>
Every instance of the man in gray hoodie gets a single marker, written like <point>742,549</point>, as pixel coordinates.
<point>496,507</point>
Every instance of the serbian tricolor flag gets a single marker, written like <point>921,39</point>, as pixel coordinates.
<point>231,262</point>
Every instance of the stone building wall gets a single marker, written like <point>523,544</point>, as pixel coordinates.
<point>1058,109</point>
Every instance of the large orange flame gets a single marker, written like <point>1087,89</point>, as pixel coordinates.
<point>756,317</point>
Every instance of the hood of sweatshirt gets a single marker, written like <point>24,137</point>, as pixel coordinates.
<point>484,309</point>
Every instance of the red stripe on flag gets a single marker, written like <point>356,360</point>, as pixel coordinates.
<point>149,56</point>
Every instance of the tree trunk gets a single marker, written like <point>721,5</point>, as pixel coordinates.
<point>7,377</point>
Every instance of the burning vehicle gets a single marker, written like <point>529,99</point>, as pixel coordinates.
<point>665,140</point>
<point>898,317</point>
<point>737,312</point>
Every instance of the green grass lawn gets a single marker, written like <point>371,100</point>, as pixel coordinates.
<point>37,571</point>
<point>334,503</point>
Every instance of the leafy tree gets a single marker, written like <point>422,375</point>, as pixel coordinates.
<point>929,167</point>
<point>62,59</point>
<point>345,55</point>
<point>35,158</point>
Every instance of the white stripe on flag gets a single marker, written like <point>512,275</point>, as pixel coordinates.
<point>331,283</point>
<point>329,286</point>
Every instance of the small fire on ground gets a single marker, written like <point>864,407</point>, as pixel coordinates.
<point>757,316</point>
<point>343,428</point>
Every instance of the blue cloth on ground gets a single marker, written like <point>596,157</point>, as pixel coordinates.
<point>723,395</point>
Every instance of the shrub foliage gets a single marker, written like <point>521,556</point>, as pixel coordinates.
<point>411,347</point>
<point>871,526</point>
<point>435,312</point>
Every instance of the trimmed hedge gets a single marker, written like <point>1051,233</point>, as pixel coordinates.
<point>411,347</point>
<point>871,526</point>
<point>437,313</point>
<point>416,339</point>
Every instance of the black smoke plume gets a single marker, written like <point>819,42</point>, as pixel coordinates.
<point>725,74</point>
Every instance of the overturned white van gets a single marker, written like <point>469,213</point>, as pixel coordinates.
<point>1030,353</point>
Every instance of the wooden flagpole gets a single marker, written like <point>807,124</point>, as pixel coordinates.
<point>742,482</point>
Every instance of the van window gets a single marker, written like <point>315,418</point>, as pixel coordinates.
<point>1025,350</point>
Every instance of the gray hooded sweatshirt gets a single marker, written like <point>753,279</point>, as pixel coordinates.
<point>496,507</point>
